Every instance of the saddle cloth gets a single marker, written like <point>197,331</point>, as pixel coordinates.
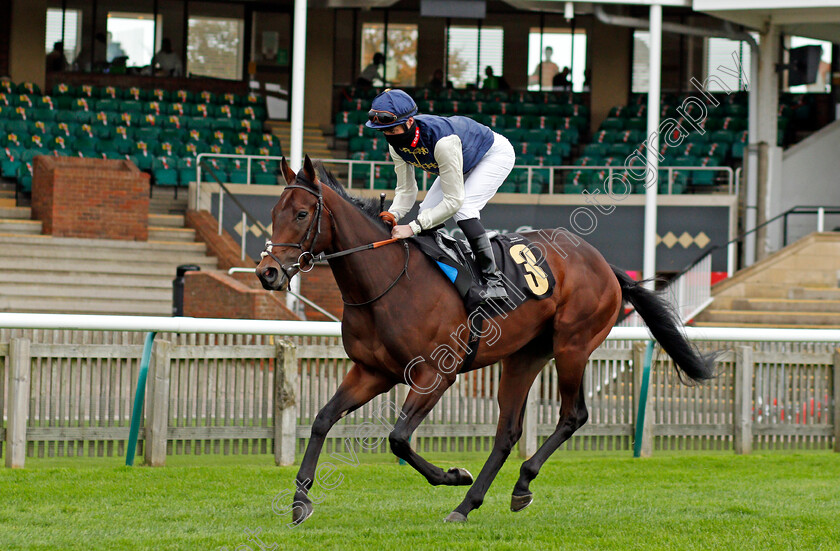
<point>526,273</point>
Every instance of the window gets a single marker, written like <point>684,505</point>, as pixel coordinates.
<point>72,31</point>
<point>552,51</point>
<point>641,62</point>
<point>823,83</point>
<point>721,64</point>
<point>132,35</point>
<point>470,50</point>
<point>401,52</point>
<point>214,47</point>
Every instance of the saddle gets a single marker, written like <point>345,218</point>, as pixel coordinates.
<point>525,274</point>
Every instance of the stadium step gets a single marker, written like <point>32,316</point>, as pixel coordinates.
<point>72,305</point>
<point>8,211</point>
<point>169,234</point>
<point>815,293</point>
<point>777,319</point>
<point>314,143</point>
<point>20,226</point>
<point>786,305</point>
<point>166,220</point>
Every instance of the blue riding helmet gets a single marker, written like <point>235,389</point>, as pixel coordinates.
<point>390,108</point>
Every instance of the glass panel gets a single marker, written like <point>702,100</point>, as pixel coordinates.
<point>131,36</point>
<point>72,31</point>
<point>823,83</point>
<point>214,47</point>
<point>401,63</point>
<point>562,53</point>
<point>470,50</point>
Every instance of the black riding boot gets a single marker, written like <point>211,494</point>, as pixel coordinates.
<point>480,244</point>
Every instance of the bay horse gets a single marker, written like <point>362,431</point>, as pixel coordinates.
<point>400,308</point>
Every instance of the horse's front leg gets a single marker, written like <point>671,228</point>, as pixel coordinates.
<point>423,396</point>
<point>359,386</point>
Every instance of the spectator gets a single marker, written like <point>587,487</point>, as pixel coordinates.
<point>437,82</point>
<point>493,82</point>
<point>545,70</point>
<point>166,62</point>
<point>562,80</point>
<point>371,75</point>
<point>56,62</point>
<point>96,62</point>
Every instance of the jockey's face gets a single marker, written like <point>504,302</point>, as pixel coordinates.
<point>399,129</point>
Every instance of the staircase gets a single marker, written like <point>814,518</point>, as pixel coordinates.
<point>46,274</point>
<point>314,143</point>
<point>796,287</point>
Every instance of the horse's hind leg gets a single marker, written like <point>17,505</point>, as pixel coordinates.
<point>518,374</point>
<point>573,415</point>
<point>416,407</point>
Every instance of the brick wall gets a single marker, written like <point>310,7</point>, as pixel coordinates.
<point>223,247</point>
<point>76,197</point>
<point>320,287</point>
<point>217,295</point>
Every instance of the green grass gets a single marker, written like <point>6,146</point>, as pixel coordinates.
<point>583,500</point>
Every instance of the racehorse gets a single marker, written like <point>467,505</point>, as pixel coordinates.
<point>400,309</point>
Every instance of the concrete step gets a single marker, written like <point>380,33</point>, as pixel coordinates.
<point>83,243</point>
<point>94,266</point>
<point>42,290</point>
<point>786,305</point>
<point>764,325</point>
<point>53,305</point>
<point>15,213</point>
<point>166,220</point>
<point>10,278</point>
<point>167,234</point>
<point>814,293</point>
<point>20,227</point>
<point>37,253</point>
<point>727,317</point>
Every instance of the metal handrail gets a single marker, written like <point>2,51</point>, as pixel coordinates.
<point>733,183</point>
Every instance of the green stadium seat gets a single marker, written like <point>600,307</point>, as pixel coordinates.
<point>237,172</point>
<point>344,130</point>
<point>143,157</point>
<point>723,136</point>
<point>24,177</point>
<point>228,98</point>
<point>739,146</point>
<point>198,123</point>
<point>612,123</point>
<point>186,170</point>
<point>256,112</point>
<point>228,112</point>
<point>214,167</point>
<point>555,149</point>
<point>358,143</point>
<point>595,149</point>
<point>183,96</point>
<point>180,109</point>
<point>220,148</point>
<point>224,124</point>
<point>619,149</point>
<point>29,88</point>
<point>205,96</point>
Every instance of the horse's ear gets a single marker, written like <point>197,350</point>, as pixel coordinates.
<point>309,169</point>
<point>288,173</point>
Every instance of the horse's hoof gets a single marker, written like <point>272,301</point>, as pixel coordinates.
<point>464,477</point>
<point>455,516</point>
<point>517,503</point>
<point>301,512</point>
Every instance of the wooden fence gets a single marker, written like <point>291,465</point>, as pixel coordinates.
<point>223,394</point>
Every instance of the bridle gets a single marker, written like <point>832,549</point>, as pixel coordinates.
<point>315,223</point>
<point>303,261</point>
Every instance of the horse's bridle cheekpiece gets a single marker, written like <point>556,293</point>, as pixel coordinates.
<point>316,223</point>
<point>313,258</point>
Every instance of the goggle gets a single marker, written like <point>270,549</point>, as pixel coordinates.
<point>382,117</point>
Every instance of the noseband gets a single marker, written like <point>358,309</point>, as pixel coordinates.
<point>315,223</point>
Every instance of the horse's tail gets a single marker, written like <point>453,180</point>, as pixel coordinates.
<point>664,325</point>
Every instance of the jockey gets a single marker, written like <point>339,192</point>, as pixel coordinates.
<point>470,162</point>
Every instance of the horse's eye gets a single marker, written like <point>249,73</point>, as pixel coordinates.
<point>302,214</point>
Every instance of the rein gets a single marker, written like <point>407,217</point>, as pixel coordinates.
<point>310,262</point>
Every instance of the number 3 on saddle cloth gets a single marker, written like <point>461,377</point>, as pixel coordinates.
<point>525,273</point>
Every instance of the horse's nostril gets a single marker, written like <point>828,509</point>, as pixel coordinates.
<point>270,275</point>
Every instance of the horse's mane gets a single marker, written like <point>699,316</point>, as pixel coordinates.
<point>369,206</point>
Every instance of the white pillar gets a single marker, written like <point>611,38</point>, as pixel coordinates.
<point>768,107</point>
<point>296,135</point>
<point>654,92</point>
<point>752,160</point>
<point>298,81</point>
